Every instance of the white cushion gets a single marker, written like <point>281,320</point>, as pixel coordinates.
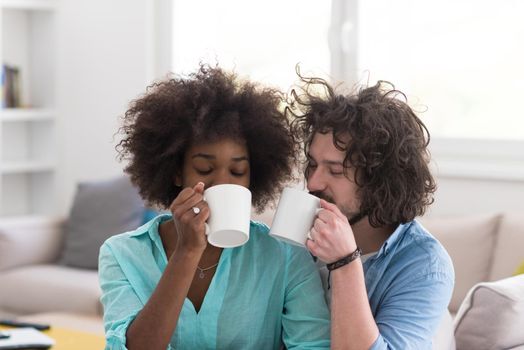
<point>469,241</point>
<point>509,249</point>
<point>29,240</point>
<point>492,316</point>
<point>45,288</point>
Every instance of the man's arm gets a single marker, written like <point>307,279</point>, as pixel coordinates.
<point>410,308</point>
<point>352,323</point>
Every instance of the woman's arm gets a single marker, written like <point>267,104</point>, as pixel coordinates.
<point>124,317</point>
<point>154,325</point>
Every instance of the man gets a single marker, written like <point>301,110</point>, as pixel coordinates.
<point>367,160</point>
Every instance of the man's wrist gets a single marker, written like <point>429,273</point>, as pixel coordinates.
<point>345,260</point>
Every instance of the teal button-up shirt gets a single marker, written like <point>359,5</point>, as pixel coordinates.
<point>263,294</point>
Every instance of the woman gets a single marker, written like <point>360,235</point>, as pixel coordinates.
<point>163,285</point>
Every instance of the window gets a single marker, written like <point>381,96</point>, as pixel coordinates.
<point>461,59</point>
<point>460,65</point>
<point>459,62</point>
<point>264,39</point>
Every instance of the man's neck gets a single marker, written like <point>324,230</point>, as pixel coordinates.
<point>370,238</point>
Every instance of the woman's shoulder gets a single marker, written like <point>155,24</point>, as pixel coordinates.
<point>261,239</point>
<point>259,234</point>
<point>135,238</point>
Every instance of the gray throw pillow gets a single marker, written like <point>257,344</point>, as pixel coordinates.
<point>100,210</point>
<point>492,316</point>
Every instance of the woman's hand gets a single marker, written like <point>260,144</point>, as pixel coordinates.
<point>190,226</point>
<point>331,237</point>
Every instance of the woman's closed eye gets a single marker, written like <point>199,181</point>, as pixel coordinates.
<point>203,171</point>
<point>239,171</point>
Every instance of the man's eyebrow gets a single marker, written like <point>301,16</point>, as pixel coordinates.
<point>327,161</point>
<point>333,162</point>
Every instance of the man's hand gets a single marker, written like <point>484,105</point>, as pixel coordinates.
<point>331,237</point>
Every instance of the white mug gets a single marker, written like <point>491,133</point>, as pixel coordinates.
<point>230,214</point>
<point>294,216</point>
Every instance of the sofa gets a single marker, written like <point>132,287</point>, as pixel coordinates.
<point>486,251</point>
<point>50,263</point>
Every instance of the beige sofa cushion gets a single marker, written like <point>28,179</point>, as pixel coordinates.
<point>492,316</point>
<point>469,241</point>
<point>509,250</point>
<point>29,240</point>
<point>46,288</point>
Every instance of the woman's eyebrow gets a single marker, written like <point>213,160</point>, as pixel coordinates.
<point>211,156</point>
<point>203,155</point>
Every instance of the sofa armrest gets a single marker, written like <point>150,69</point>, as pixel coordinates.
<point>30,240</point>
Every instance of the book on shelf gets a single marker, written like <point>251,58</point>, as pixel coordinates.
<point>11,89</point>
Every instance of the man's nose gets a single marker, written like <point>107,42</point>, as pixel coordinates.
<point>315,181</point>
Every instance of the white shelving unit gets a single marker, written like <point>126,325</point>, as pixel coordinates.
<point>27,147</point>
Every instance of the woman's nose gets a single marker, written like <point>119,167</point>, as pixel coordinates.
<point>223,177</point>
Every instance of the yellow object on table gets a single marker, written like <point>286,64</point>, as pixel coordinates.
<point>520,269</point>
<point>68,339</point>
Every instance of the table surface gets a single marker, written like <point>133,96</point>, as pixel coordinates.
<point>68,339</point>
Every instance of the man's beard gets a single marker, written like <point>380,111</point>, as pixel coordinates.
<point>352,216</point>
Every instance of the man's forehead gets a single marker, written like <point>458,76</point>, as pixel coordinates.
<point>323,147</point>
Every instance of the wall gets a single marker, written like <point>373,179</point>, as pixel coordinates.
<point>458,196</point>
<point>108,51</point>
<point>102,65</point>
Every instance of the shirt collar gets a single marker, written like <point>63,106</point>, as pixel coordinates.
<point>151,227</point>
<point>394,238</point>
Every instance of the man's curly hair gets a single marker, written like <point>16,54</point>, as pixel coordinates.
<point>387,146</point>
<point>206,106</point>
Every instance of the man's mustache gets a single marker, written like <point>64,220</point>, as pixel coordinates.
<point>322,196</point>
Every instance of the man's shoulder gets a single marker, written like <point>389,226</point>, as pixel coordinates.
<point>423,252</point>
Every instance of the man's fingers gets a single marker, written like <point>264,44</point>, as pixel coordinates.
<point>318,227</point>
<point>330,207</point>
<point>311,246</point>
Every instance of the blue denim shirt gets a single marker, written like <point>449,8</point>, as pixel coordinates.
<point>409,285</point>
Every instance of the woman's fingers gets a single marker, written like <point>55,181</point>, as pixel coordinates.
<point>186,201</point>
